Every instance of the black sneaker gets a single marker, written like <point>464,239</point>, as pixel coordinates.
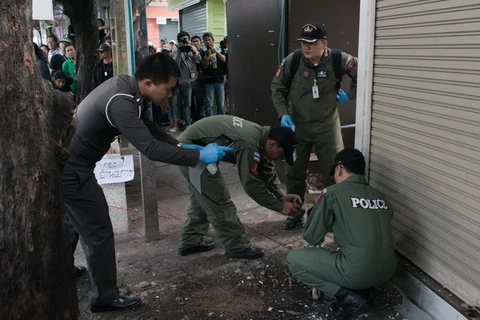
<point>347,304</point>
<point>202,247</point>
<point>119,304</point>
<point>290,224</point>
<point>79,271</point>
<point>248,253</point>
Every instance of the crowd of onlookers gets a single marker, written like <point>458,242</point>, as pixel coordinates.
<point>56,60</point>
<point>202,89</point>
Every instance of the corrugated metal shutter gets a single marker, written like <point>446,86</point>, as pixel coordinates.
<point>425,138</point>
<point>168,31</point>
<point>194,19</point>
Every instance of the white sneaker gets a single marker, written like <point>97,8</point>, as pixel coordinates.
<point>173,129</point>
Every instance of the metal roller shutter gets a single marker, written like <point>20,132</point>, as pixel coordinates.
<point>425,138</point>
<point>168,31</point>
<point>194,19</point>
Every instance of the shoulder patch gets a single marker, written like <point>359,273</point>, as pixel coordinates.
<point>321,195</point>
<point>256,161</point>
<point>350,64</point>
<point>279,71</point>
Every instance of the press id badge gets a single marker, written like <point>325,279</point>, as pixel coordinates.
<point>315,93</point>
<point>192,74</point>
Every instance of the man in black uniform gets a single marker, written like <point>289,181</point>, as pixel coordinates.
<point>118,107</point>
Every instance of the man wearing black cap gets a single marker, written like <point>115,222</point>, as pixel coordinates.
<point>360,217</point>
<point>103,69</point>
<point>254,149</point>
<point>311,79</point>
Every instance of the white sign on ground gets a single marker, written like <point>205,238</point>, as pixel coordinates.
<point>114,169</point>
<point>42,9</point>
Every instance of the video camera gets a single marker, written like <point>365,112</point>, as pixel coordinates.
<point>184,44</point>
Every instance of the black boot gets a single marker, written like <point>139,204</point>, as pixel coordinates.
<point>347,304</point>
<point>290,223</point>
<point>248,253</point>
<point>204,246</point>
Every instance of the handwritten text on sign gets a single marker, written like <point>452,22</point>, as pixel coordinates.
<point>114,169</point>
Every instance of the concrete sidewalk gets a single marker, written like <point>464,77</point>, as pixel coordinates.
<point>210,285</point>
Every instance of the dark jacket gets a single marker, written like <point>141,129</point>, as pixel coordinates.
<point>115,108</point>
<point>99,72</point>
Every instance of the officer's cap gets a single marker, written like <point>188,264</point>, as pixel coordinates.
<point>352,157</point>
<point>287,140</point>
<point>313,31</point>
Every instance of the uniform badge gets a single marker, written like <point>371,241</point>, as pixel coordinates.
<point>256,161</point>
<point>306,73</point>
<point>321,196</point>
<point>350,64</point>
<point>322,74</point>
<point>279,71</point>
<point>308,28</point>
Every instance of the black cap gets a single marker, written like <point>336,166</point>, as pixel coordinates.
<point>313,31</point>
<point>287,140</point>
<point>104,47</point>
<point>351,157</point>
<point>59,75</point>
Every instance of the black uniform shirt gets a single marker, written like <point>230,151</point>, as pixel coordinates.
<point>114,108</point>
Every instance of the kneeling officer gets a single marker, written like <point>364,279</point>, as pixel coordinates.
<point>360,218</point>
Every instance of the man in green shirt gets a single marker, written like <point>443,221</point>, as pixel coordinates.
<point>360,218</point>
<point>254,149</point>
<point>68,67</point>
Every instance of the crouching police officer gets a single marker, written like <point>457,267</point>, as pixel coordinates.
<point>254,148</point>
<point>360,218</point>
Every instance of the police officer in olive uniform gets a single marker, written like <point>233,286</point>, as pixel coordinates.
<point>314,93</point>
<point>254,148</point>
<point>360,218</point>
<point>118,106</point>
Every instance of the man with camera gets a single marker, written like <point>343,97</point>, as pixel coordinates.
<point>187,57</point>
<point>214,64</point>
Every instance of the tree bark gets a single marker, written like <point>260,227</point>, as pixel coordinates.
<point>37,279</point>
<point>82,17</point>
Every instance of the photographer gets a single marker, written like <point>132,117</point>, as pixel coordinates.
<point>187,57</point>
<point>214,64</point>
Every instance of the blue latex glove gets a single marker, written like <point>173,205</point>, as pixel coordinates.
<point>212,153</point>
<point>342,96</point>
<point>287,121</point>
<point>191,146</point>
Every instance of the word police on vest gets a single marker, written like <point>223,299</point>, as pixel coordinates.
<point>369,203</point>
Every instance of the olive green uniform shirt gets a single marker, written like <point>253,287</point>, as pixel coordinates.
<point>304,108</point>
<point>359,217</point>
<point>259,178</point>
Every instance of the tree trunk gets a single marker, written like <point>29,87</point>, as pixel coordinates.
<point>82,16</point>
<point>37,279</point>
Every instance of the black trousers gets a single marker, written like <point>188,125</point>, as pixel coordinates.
<point>88,216</point>
<point>198,96</point>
